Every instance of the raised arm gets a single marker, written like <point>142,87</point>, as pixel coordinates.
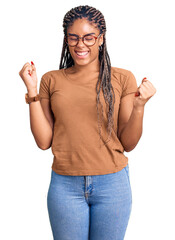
<point>41,119</point>
<point>130,121</point>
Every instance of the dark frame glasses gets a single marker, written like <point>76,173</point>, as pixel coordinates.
<point>87,42</point>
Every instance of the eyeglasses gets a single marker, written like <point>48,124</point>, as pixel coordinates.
<point>89,40</point>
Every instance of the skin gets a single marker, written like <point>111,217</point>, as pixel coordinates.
<point>41,116</point>
<point>131,115</point>
<point>91,63</point>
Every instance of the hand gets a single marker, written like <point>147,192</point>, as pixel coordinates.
<point>28,75</point>
<point>145,91</point>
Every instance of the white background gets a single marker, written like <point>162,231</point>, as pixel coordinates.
<point>140,38</point>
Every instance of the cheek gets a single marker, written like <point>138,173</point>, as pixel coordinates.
<point>95,51</point>
<point>72,52</point>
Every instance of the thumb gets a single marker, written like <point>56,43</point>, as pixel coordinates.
<point>33,67</point>
<point>137,93</point>
<point>144,79</point>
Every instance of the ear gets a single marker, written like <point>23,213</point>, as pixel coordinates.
<point>101,40</point>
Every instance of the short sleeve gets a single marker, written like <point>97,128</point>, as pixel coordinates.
<point>44,89</point>
<point>130,85</point>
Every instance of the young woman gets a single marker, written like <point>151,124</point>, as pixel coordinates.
<point>89,113</point>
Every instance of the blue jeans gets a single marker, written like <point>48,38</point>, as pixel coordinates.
<point>93,207</point>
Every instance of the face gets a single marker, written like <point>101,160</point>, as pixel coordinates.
<point>82,27</point>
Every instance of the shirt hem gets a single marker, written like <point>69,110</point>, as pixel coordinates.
<point>88,173</point>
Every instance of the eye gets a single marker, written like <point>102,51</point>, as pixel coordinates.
<point>72,38</point>
<point>88,38</point>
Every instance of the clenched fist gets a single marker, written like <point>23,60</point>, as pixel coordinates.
<point>28,75</point>
<point>145,91</point>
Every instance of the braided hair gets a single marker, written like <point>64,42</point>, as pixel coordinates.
<point>104,80</point>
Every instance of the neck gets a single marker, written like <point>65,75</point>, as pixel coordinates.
<point>84,69</point>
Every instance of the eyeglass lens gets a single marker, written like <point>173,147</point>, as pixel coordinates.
<point>88,40</point>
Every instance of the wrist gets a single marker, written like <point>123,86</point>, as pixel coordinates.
<point>139,109</point>
<point>32,92</point>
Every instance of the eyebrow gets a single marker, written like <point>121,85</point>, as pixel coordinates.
<point>71,34</point>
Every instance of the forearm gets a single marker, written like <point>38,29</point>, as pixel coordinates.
<point>39,124</point>
<point>132,131</point>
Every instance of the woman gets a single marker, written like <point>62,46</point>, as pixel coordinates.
<point>89,113</point>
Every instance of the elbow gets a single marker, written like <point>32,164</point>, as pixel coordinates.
<point>46,144</point>
<point>129,148</point>
<point>44,147</point>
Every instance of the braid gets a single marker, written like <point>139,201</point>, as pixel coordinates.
<point>94,16</point>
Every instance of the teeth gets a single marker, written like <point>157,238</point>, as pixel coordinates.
<point>81,53</point>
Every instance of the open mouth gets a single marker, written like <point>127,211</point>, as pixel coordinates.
<point>81,54</point>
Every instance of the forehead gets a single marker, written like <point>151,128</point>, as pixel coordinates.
<point>82,27</point>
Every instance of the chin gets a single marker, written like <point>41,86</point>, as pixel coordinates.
<point>81,63</point>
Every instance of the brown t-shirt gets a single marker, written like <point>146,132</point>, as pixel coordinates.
<point>76,146</point>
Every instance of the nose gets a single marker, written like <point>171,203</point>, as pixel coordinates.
<point>80,42</point>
